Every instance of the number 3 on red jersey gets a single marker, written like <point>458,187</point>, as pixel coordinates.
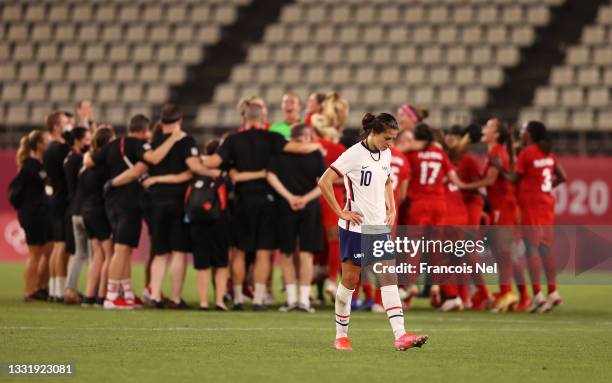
<point>547,180</point>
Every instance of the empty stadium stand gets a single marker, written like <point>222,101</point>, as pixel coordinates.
<point>462,59</point>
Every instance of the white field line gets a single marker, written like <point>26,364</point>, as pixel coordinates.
<point>264,329</point>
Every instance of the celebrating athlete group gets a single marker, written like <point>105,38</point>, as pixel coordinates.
<point>301,188</point>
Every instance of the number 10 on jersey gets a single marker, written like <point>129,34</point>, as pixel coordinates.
<point>366,178</point>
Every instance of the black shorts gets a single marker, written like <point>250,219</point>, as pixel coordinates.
<point>303,225</point>
<point>35,223</point>
<point>58,224</point>
<point>125,224</point>
<point>169,232</point>
<point>210,244</point>
<point>145,206</point>
<point>254,223</point>
<point>70,245</point>
<point>96,224</point>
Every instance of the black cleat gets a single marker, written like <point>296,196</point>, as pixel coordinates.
<point>238,307</point>
<point>179,306</point>
<point>259,308</point>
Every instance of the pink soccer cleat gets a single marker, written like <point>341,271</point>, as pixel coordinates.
<point>407,341</point>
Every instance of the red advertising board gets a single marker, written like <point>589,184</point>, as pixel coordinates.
<point>583,200</point>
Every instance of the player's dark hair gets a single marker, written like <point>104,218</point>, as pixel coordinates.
<point>101,137</point>
<point>505,137</point>
<point>138,123</point>
<point>320,97</point>
<point>423,132</point>
<point>378,123</point>
<point>170,114</point>
<point>456,130</point>
<point>474,131</point>
<point>298,130</point>
<point>211,146</point>
<point>539,136</point>
<point>76,134</point>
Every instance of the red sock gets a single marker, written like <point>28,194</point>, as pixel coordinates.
<point>505,272</point>
<point>449,291</point>
<point>518,268</point>
<point>550,268</point>
<point>378,296</point>
<point>333,259</point>
<point>534,267</point>
<point>367,291</point>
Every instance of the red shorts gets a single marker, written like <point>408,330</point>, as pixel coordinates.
<point>505,213</point>
<point>328,217</point>
<point>474,211</point>
<point>426,212</point>
<point>537,225</point>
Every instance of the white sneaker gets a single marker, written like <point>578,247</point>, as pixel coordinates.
<point>287,307</point>
<point>455,304</point>
<point>269,299</point>
<point>552,301</point>
<point>146,295</point>
<point>305,308</point>
<point>537,301</point>
<point>376,308</point>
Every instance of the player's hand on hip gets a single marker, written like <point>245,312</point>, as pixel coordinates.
<point>352,216</point>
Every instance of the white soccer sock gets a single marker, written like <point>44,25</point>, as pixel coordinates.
<point>260,293</point>
<point>60,286</point>
<point>112,292</point>
<point>291,294</point>
<point>305,295</point>
<point>52,286</point>
<point>238,298</point>
<point>126,286</point>
<point>343,310</point>
<point>393,306</point>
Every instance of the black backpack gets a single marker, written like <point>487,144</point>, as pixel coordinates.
<point>206,199</point>
<point>16,190</point>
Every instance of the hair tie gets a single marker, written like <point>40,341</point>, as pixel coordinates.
<point>410,112</point>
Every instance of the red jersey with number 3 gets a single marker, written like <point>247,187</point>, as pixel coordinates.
<point>428,167</point>
<point>537,172</point>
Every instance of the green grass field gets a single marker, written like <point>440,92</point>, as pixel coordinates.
<point>574,343</point>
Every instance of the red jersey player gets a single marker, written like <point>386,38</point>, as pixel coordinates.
<point>537,173</point>
<point>429,167</point>
<point>500,191</point>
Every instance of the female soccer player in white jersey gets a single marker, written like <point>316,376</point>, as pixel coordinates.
<point>366,169</point>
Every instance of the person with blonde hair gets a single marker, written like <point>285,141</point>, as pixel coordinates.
<point>27,194</point>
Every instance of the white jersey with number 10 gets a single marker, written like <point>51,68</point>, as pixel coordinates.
<point>365,176</point>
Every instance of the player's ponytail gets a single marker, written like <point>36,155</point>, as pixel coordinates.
<point>539,136</point>
<point>505,137</point>
<point>378,123</point>
<point>27,145</point>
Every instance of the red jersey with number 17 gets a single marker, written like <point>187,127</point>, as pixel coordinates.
<point>536,169</point>
<point>428,167</point>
